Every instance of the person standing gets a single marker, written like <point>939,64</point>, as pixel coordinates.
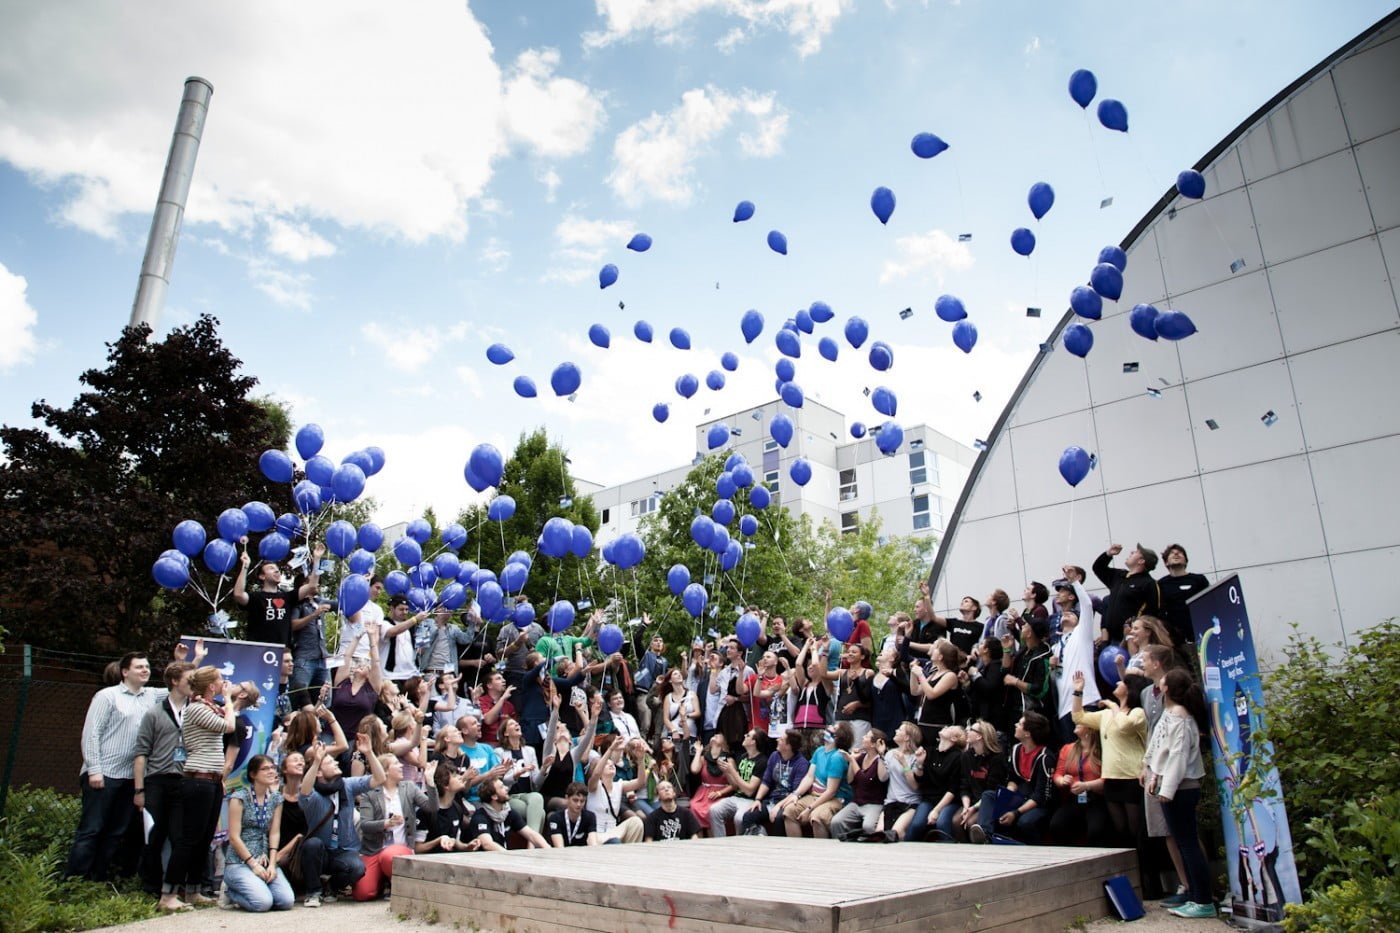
<point>1176,587</point>
<point>1131,592</point>
<point>1073,655</point>
<point>309,653</point>
<point>157,772</point>
<point>1172,771</point>
<point>203,727</point>
<point>269,606</point>
<point>650,672</point>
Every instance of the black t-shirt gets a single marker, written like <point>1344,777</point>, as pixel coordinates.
<point>574,834</point>
<point>269,617</point>
<point>1175,592</point>
<point>293,820</point>
<point>662,826</point>
<point>451,821</point>
<point>965,633</point>
<point>484,822</point>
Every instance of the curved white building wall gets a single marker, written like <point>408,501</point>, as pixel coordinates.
<point>1307,510</point>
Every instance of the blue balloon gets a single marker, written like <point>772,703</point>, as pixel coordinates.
<point>629,550</point>
<point>288,524</point>
<point>751,325</point>
<point>759,498</point>
<point>856,331</point>
<point>729,360</point>
<point>310,438</point>
<point>609,639</point>
<point>927,145</point>
<point>840,624</point>
<point>499,353</point>
<point>780,428</point>
<point>396,583</point>
<point>1108,663</point>
<point>1174,325</point>
<point>468,572</point>
<point>454,536</point>
<point>747,630</point>
<point>1105,279</point>
<point>881,356</point>
<point>642,331</point>
<point>501,509</point>
<point>487,463</point>
<point>1041,198</point>
<point>889,438</point>
<point>1114,256</point>
<point>370,537</point>
<point>376,459</point>
<point>702,530</point>
<point>1083,86</point>
<point>800,471</point>
<point>743,211</point>
<point>743,475</point>
<point>607,275</point>
<point>777,242</point>
<point>565,380</point>
<point>556,537</point>
<point>884,401</point>
<point>525,387</point>
<point>733,460</point>
<point>1191,184</point>
<point>408,552</point>
<point>720,542</point>
<point>718,435</point>
<point>260,516</point>
<point>189,537</point>
<point>965,336</point>
<point>276,466</point>
<point>1113,115</point>
<point>481,577</point>
<point>857,429</point>
<point>828,348</point>
<point>514,577</point>
<point>804,321</point>
<point>321,470</point>
<point>361,460</point>
<point>1074,465</point>
<point>949,308</point>
<point>687,385</point>
<point>715,380</point>
<point>731,556</point>
<point>523,615</point>
<point>791,394</point>
<point>1079,340</point>
<point>722,511</point>
<point>447,565</point>
<point>1022,241</point>
<point>748,525</point>
<point>677,578</point>
<point>424,575</point>
<point>786,370</point>
<point>232,524</point>
<point>788,343</point>
<point>490,597</point>
<point>274,546</point>
<point>348,482</point>
<point>725,485</point>
<point>599,336</point>
<point>560,616</point>
<point>307,497</point>
<point>354,594</point>
<point>360,561</point>
<point>171,573</point>
<point>882,203</point>
<point>1086,302</point>
<point>327,494</point>
<point>523,557</point>
<point>453,596</point>
<point>580,542</point>
<point>661,411</point>
<point>220,556</point>
<point>694,598</point>
<point>341,538</point>
<point>1143,320</point>
<point>639,243</point>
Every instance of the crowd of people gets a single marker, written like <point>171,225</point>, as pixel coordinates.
<point>423,734</point>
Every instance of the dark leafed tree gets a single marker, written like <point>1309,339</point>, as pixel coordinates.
<point>537,477</point>
<point>166,431</point>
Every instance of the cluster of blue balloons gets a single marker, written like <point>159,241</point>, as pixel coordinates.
<point>565,379</point>
<point>1083,86</point>
<point>325,482</point>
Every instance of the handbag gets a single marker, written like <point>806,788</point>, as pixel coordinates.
<point>291,862</point>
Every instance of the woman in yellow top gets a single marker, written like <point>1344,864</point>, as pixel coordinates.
<point>1122,726</point>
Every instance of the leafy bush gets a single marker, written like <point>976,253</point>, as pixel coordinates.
<point>1357,887</point>
<point>36,817</point>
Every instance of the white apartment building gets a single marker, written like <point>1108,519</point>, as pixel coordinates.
<point>914,490</point>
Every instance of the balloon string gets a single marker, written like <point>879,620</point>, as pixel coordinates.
<point>1093,147</point>
<point>781,552</point>
<point>1069,533</point>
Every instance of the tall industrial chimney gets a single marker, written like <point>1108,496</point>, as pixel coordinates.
<point>170,206</point>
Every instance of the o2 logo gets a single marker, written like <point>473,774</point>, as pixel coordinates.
<point>270,657</point>
<point>1234,596</point>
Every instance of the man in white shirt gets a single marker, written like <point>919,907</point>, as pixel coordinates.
<point>1074,652</point>
<point>396,638</point>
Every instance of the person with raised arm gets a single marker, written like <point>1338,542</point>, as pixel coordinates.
<point>269,606</point>
<point>328,802</point>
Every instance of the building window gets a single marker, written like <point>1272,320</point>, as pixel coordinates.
<point>848,485</point>
<point>921,517</point>
<point>918,472</point>
<point>770,479</point>
<point>645,506</point>
<point>607,513</point>
<point>770,445</point>
<point>850,521</point>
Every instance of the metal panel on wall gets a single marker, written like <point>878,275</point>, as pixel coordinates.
<point>1160,515</point>
<point>1117,344</point>
<point>1366,84</point>
<point>1308,127</point>
<point>1071,533</point>
<point>1306,291</point>
<point>1036,450</point>
<point>1238,314</point>
<point>1346,392</point>
<point>1061,387</point>
<point>1284,593</point>
<point>1377,160</point>
<point>1263,513</point>
<point>1144,440</point>
<point>1368,589</point>
<point>1199,244</point>
<point>1238,403</point>
<point>1353,517</point>
<point>996,486</point>
<point>1311,207</point>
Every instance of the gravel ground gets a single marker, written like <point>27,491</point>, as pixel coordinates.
<point>348,916</point>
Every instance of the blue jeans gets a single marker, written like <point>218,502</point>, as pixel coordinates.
<point>1027,827</point>
<point>308,674</point>
<point>919,825</point>
<point>343,866</point>
<point>106,813</point>
<point>252,893</point>
<point>1180,812</point>
<point>946,818</point>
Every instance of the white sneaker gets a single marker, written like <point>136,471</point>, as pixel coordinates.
<point>312,900</point>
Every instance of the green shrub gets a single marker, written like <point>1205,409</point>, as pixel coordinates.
<point>36,816</point>
<point>1357,888</point>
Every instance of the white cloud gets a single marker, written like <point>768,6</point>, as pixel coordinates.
<point>1032,46</point>
<point>807,21</point>
<point>582,244</point>
<point>287,289</point>
<point>551,181</point>
<point>297,241</point>
<point>494,255</point>
<point>556,117</point>
<point>17,320</point>
<point>300,125</point>
<point>653,158</point>
<point>934,253</point>
<point>472,380</point>
<point>407,350</point>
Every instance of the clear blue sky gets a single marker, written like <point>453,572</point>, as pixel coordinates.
<point>386,189</point>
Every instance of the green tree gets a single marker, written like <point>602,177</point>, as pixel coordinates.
<point>166,431</point>
<point>537,477</point>
<point>864,564</point>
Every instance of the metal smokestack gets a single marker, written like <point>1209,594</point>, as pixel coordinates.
<point>170,205</point>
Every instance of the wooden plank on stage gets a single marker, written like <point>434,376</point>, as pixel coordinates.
<point>764,883</point>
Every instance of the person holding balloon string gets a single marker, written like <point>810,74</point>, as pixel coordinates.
<point>813,700</point>
<point>269,608</point>
<point>357,684</point>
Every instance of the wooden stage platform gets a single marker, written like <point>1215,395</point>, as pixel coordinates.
<point>762,883</point>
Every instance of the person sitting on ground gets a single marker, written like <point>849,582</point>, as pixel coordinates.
<point>328,801</point>
<point>252,879</point>
<point>983,768</point>
<point>1025,813</point>
<point>448,827</point>
<point>1080,811</point>
<point>744,776</point>
<point>787,767</point>
<point>389,816</point>
<point>870,781</point>
<point>825,789</point>
<point>707,770</point>
<point>494,820</point>
<point>669,821</point>
<point>573,824</point>
<point>940,786</point>
<point>605,797</point>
